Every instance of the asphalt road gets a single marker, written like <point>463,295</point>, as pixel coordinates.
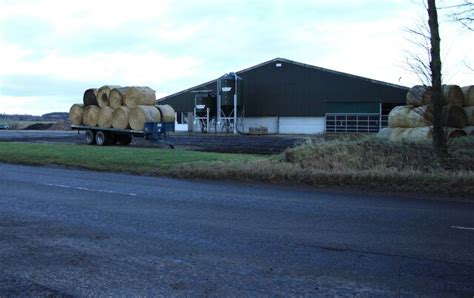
<point>82,233</point>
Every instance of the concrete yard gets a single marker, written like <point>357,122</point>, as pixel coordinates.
<point>264,144</point>
<point>82,233</point>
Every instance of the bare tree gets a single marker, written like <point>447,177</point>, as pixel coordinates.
<point>425,62</point>
<point>463,13</point>
<point>439,138</point>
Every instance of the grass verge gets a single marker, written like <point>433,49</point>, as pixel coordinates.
<point>367,163</point>
<point>110,158</point>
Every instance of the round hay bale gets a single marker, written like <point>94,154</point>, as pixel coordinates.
<point>393,134</point>
<point>469,114</point>
<point>105,117</point>
<point>91,115</point>
<point>75,114</point>
<point>469,130</point>
<point>453,95</point>
<point>140,115</point>
<point>139,96</point>
<point>120,118</point>
<point>384,132</point>
<point>167,113</point>
<point>418,96</point>
<point>408,116</point>
<point>454,116</point>
<point>455,133</point>
<point>418,134</point>
<point>468,92</point>
<point>103,95</point>
<point>116,97</point>
<point>398,134</point>
<point>90,97</point>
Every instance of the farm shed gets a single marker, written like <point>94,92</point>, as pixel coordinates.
<point>285,96</point>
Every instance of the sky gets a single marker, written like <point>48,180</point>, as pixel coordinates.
<point>52,50</point>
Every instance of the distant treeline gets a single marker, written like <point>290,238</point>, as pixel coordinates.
<point>56,116</point>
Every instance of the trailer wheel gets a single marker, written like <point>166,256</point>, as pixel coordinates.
<point>90,137</point>
<point>124,139</point>
<point>102,138</point>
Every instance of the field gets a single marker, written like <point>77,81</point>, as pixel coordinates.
<point>23,124</point>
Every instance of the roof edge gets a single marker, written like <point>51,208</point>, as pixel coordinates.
<point>295,63</point>
<point>340,73</point>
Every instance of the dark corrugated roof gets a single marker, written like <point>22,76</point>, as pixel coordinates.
<point>292,62</point>
<point>286,88</point>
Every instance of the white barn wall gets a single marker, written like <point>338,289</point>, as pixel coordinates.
<point>302,125</point>
<point>180,127</point>
<point>268,122</point>
<point>287,125</point>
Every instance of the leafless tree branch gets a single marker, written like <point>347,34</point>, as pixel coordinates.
<point>463,13</point>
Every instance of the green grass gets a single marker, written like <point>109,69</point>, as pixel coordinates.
<point>110,158</point>
<point>374,153</point>
<point>366,163</point>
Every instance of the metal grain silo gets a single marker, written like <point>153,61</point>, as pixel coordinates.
<point>230,93</point>
<point>205,110</point>
<point>229,102</point>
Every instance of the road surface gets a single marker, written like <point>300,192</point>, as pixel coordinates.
<point>82,233</point>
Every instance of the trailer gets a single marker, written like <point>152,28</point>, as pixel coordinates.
<point>156,132</point>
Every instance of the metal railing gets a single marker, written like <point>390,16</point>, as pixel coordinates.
<point>355,123</point>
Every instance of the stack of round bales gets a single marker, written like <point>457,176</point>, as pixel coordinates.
<point>469,108</point>
<point>414,120</point>
<point>120,108</point>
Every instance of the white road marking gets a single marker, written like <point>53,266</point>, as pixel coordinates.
<point>462,228</point>
<point>91,189</point>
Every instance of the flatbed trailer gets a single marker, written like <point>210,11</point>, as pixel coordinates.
<point>156,132</point>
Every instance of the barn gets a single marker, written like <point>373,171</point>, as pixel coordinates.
<point>286,97</point>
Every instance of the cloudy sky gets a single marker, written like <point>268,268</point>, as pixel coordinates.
<point>52,50</point>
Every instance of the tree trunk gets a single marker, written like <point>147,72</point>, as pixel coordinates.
<point>439,139</point>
